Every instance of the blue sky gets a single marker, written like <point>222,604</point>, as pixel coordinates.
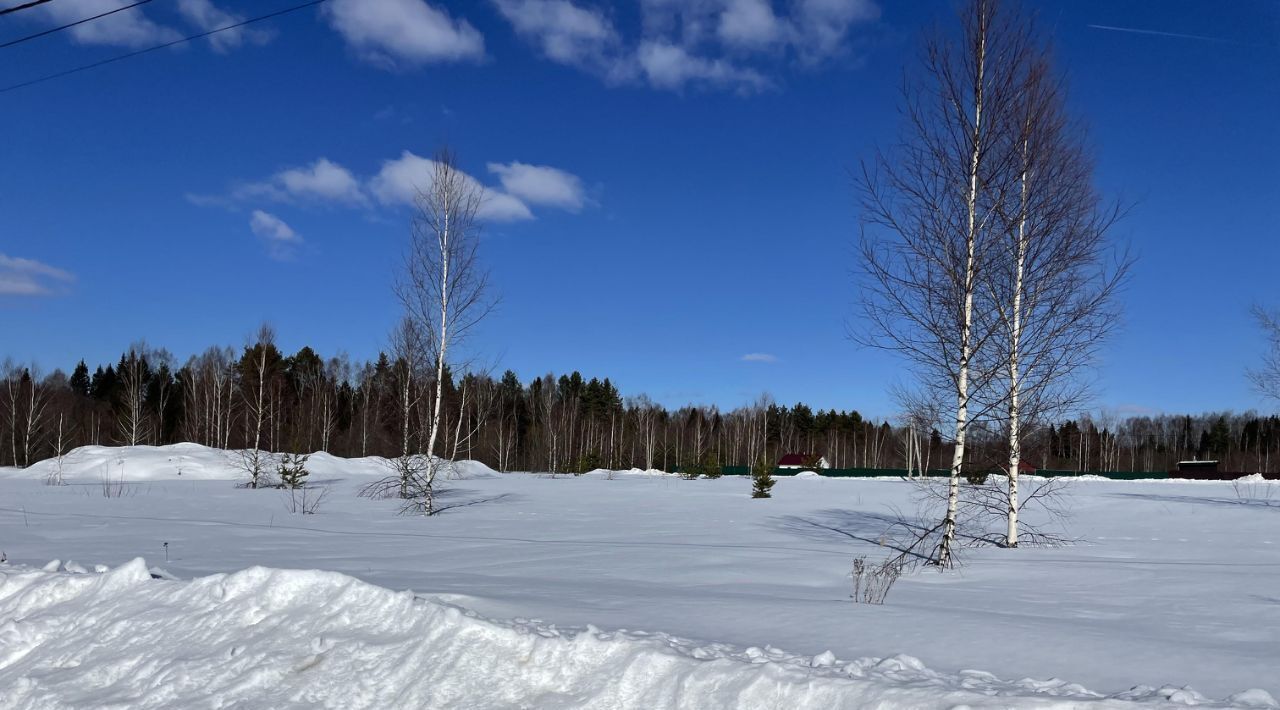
<point>669,182</point>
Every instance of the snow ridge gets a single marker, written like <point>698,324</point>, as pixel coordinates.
<point>277,638</point>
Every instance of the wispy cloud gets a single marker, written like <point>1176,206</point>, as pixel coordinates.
<point>281,241</point>
<point>759,357</point>
<point>206,16</point>
<point>717,44</point>
<point>28,277</point>
<point>672,66</point>
<point>123,29</point>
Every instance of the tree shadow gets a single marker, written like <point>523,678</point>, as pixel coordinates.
<point>881,530</point>
<point>453,498</point>
<point>1200,500</point>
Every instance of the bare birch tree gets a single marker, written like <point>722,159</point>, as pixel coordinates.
<point>135,375</point>
<point>929,212</point>
<point>1052,284</point>
<point>258,370</point>
<point>1266,377</point>
<point>443,287</point>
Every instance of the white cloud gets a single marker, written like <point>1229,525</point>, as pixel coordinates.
<point>759,357</point>
<point>28,277</point>
<point>131,28</point>
<point>323,181</point>
<point>279,237</point>
<point>540,185</point>
<point>569,34</point>
<point>399,181</point>
<point>712,43</point>
<point>749,23</point>
<point>813,29</point>
<point>206,16</point>
<point>670,66</point>
<point>269,226</point>
<point>403,32</point>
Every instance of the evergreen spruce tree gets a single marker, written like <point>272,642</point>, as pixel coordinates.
<point>293,470</point>
<point>710,464</point>
<point>80,382</point>
<point>588,462</point>
<point>762,478</point>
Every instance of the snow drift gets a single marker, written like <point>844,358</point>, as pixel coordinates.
<point>279,638</point>
<point>189,461</point>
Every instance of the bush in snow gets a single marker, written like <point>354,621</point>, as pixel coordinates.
<point>114,486</point>
<point>872,582</point>
<point>589,461</point>
<point>705,465</point>
<point>305,500</point>
<point>1255,489</point>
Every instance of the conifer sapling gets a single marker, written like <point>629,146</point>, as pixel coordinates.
<point>762,478</point>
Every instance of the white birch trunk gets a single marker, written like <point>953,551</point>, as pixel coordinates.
<point>945,547</point>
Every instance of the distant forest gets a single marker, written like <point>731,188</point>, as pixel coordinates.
<point>567,423</point>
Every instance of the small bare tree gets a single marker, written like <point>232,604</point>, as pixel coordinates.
<point>135,374</point>
<point>55,477</point>
<point>36,401</point>
<point>258,368</point>
<point>444,290</point>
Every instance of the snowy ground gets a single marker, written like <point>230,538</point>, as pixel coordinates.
<point>1173,585</point>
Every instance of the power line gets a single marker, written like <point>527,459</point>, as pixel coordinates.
<point>24,6</point>
<point>20,40</point>
<point>130,55</point>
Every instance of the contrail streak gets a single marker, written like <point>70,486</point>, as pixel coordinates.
<point>1158,33</point>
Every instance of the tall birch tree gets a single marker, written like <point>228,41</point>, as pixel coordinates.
<point>1053,285</point>
<point>443,286</point>
<point>929,208</point>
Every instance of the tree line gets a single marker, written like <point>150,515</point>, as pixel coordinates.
<point>567,423</point>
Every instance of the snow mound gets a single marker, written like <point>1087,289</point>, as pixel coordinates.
<point>615,472</point>
<point>473,469</point>
<point>808,474</point>
<point>135,463</point>
<point>270,638</point>
<point>189,461</point>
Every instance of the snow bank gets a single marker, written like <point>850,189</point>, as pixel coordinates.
<point>473,469</point>
<point>616,472</point>
<point>189,461</point>
<point>135,463</point>
<point>285,638</point>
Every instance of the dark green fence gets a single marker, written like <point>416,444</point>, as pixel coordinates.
<point>943,473</point>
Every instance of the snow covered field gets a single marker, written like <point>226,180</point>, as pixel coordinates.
<point>1173,584</point>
